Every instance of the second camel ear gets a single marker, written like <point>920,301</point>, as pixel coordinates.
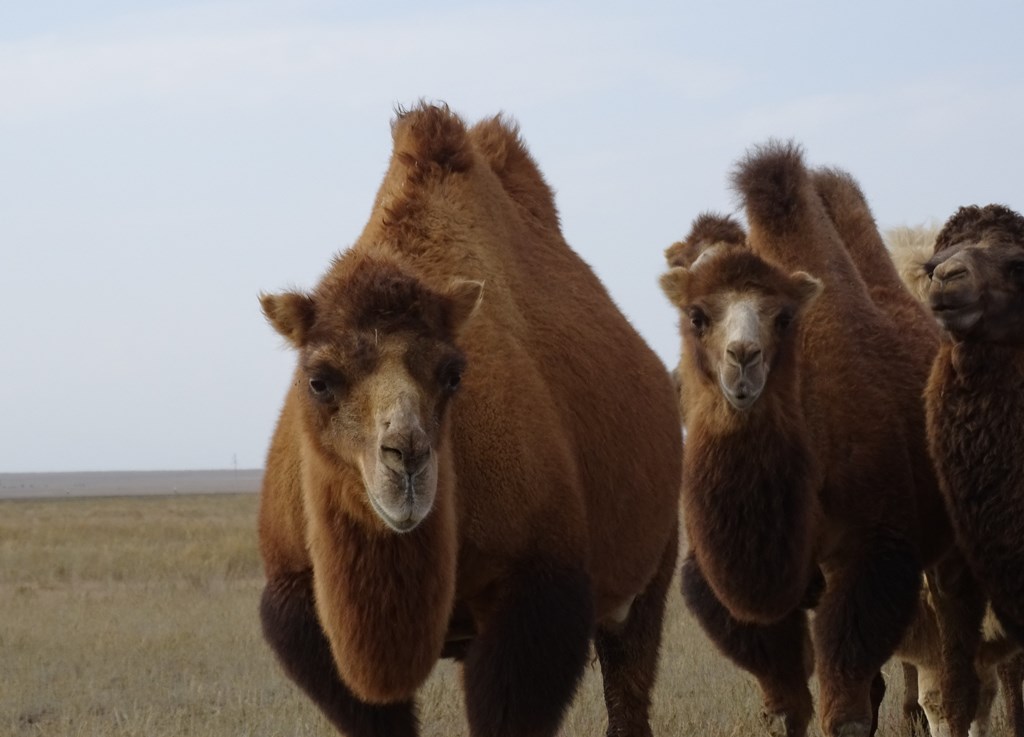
<point>674,283</point>
<point>291,313</point>
<point>464,298</point>
<point>807,287</point>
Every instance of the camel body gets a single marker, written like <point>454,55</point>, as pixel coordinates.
<point>553,518</point>
<point>846,490</point>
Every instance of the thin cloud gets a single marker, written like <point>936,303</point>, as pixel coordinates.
<point>174,62</point>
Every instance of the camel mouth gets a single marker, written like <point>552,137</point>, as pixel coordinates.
<point>742,398</point>
<point>741,402</point>
<point>957,317</point>
<point>406,524</point>
<point>742,393</point>
<point>403,501</point>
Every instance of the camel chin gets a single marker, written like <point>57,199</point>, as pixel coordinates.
<point>400,500</point>
<point>958,320</point>
<point>741,398</point>
<point>742,387</point>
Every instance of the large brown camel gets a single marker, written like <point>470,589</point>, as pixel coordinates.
<point>975,396</point>
<point>478,457</point>
<point>911,249</point>
<point>955,601</point>
<point>790,451</point>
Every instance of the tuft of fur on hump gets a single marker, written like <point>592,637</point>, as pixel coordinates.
<point>431,138</point>
<point>708,228</point>
<point>974,223</point>
<point>769,179</point>
<point>430,142</point>
<point>498,140</point>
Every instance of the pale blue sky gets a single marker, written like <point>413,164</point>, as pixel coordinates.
<point>163,162</point>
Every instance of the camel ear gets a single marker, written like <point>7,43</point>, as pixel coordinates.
<point>807,287</point>
<point>464,297</point>
<point>291,314</point>
<point>674,283</point>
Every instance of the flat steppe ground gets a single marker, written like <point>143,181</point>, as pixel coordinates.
<point>137,615</point>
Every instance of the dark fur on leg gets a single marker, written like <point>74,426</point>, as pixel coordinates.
<point>629,655</point>
<point>293,630</point>
<point>866,609</point>
<point>776,654</point>
<point>1011,673</point>
<point>815,589</point>
<point>522,670</point>
<point>959,608</point>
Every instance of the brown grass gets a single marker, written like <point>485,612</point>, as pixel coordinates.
<point>137,616</point>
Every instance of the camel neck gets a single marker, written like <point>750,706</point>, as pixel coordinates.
<point>985,364</point>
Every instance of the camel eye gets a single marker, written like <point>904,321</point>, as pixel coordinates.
<point>451,376</point>
<point>783,320</point>
<point>319,388</point>
<point>698,319</point>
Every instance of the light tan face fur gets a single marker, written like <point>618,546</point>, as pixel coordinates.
<point>375,400</point>
<point>739,336</point>
<point>734,334</point>
<point>385,422</point>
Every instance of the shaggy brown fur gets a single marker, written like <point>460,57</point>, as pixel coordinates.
<point>955,598</point>
<point>912,249</point>
<point>491,472</point>
<point>956,602</point>
<point>840,485</point>
<point>975,396</point>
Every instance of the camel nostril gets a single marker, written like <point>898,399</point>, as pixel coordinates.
<point>392,457</point>
<point>952,272</point>
<point>409,461</point>
<point>743,356</point>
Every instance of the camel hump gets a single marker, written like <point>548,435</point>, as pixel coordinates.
<point>973,222</point>
<point>911,247</point>
<point>708,229</point>
<point>713,227</point>
<point>771,179</point>
<point>840,191</point>
<point>497,139</point>
<point>431,140</point>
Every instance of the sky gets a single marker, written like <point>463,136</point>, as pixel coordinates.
<point>163,162</point>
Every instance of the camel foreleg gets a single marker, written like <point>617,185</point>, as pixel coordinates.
<point>629,653</point>
<point>292,629</point>
<point>868,604</point>
<point>778,654</point>
<point>521,671</point>
<point>959,608</point>
<point>1011,673</point>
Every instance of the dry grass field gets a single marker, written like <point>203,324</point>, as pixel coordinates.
<point>136,616</point>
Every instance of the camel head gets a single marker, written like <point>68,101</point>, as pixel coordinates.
<point>976,287</point>
<point>739,315</point>
<point>378,366</point>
